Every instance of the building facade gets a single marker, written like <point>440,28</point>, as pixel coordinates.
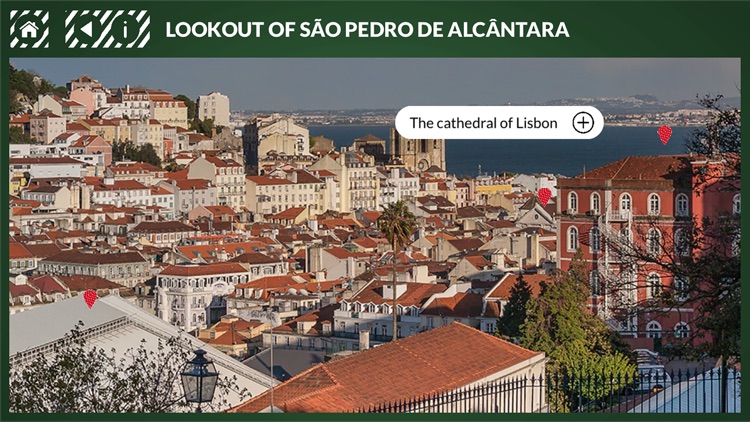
<point>194,296</point>
<point>418,154</point>
<point>214,106</point>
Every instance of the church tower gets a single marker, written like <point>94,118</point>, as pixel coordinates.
<point>418,154</point>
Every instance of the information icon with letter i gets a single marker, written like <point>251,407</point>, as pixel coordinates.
<point>107,29</point>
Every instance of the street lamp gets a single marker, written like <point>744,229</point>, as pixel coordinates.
<point>199,378</point>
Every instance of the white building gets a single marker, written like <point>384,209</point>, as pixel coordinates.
<point>113,323</point>
<point>227,175</point>
<point>371,309</point>
<point>189,193</point>
<point>120,193</point>
<point>214,106</point>
<point>46,167</point>
<point>289,137</point>
<point>45,126</point>
<point>194,296</point>
<point>271,195</point>
<point>396,184</point>
<point>534,182</point>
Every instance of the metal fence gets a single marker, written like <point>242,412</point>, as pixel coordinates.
<point>696,391</point>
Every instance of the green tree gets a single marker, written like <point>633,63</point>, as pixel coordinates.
<point>203,126</point>
<point>78,377</point>
<point>126,150</point>
<point>18,136</point>
<point>190,104</point>
<point>580,346</point>
<point>396,223</point>
<point>514,312</point>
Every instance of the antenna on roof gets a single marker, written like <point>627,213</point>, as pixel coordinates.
<point>584,170</point>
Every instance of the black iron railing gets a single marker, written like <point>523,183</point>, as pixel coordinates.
<point>691,391</point>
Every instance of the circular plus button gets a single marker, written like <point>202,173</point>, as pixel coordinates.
<point>583,122</point>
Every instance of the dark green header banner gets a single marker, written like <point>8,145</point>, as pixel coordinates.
<point>373,29</point>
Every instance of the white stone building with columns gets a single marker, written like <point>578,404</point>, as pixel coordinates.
<point>191,296</point>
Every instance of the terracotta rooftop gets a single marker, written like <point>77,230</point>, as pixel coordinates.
<point>655,167</point>
<point>416,294</point>
<point>19,251</point>
<point>503,287</point>
<point>162,227</point>
<point>80,283</point>
<point>77,257</point>
<point>461,305</point>
<point>395,371</point>
<point>465,244</point>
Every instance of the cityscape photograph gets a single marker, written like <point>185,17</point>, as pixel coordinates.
<point>256,236</point>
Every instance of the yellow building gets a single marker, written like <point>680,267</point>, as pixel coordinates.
<point>110,130</point>
<point>172,113</point>
<point>17,183</point>
<point>431,186</point>
<point>486,187</point>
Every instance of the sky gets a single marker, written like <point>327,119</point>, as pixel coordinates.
<point>332,83</point>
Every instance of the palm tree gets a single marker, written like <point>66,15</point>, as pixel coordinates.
<point>396,223</point>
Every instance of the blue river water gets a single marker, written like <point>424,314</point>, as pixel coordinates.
<point>565,157</point>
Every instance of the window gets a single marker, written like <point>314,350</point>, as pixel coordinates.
<point>653,330</point>
<point>681,286</point>
<point>654,205</point>
<point>595,206</point>
<point>681,209</point>
<point>573,202</point>
<point>595,283</point>
<point>595,239</point>
<point>653,241</point>
<point>626,203</point>
<point>572,239</point>
<point>736,204</point>
<point>626,234</point>
<point>681,330</point>
<point>681,245</point>
<point>653,285</point>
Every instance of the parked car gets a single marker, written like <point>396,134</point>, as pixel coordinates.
<point>652,378</point>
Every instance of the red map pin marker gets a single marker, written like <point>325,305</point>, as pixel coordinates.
<point>544,195</point>
<point>90,297</point>
<point>665,132</point>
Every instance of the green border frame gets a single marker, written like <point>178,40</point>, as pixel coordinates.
<point>597,29</point>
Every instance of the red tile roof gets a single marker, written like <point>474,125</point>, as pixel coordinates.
<point>503,287</point>
<point>162,227</point>
<point>189,184</point>
<point>289,213</point>
<point>467,355</point>
<point>464,244</point>
<point>75,256</point>
<point>19,251</point>
<point>416,294</point>
<point>21,290</point>
<point>461,305</point>
<point>80,283</point>
<point>265,180</point>
<point>46,284</point>
<point>656,167</point>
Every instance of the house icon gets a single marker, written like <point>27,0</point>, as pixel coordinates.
<point>28,30</point>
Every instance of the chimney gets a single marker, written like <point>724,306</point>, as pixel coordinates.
<point>127,88</point>
<point>364,340</point>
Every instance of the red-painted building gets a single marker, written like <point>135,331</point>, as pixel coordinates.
<point>645,203</point>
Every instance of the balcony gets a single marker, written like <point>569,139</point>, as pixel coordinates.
<point>373,337</point>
